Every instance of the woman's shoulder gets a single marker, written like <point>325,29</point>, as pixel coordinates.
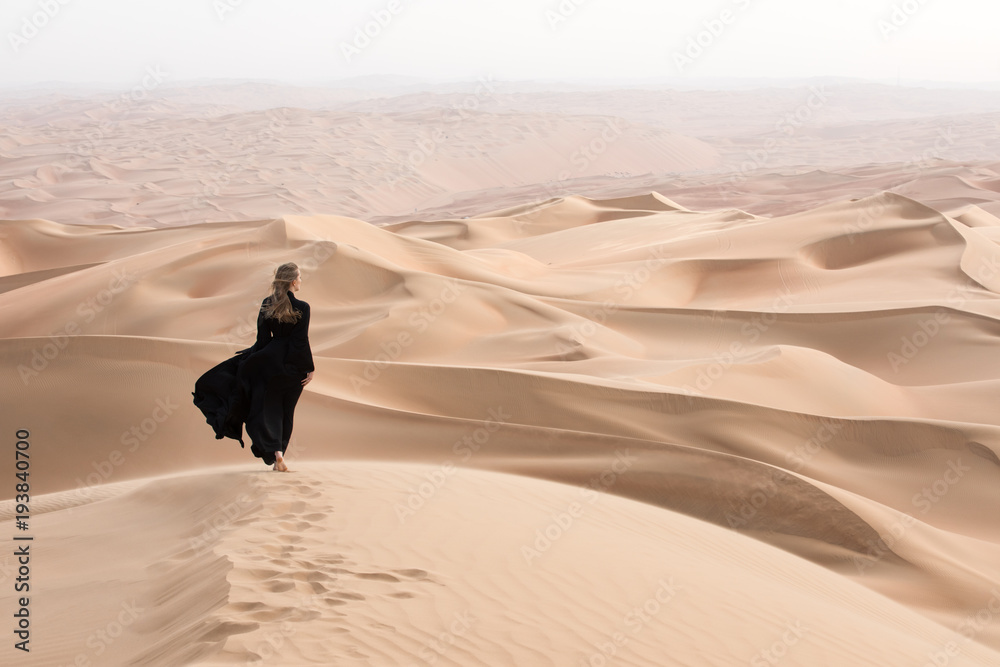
<point>297,303</point>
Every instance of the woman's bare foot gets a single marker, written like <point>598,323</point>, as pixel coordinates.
<point>279,463</point>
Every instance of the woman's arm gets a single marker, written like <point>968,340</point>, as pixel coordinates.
<point>300,353</point>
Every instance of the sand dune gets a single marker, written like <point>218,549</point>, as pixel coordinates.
<point>754,419</point>
<point>142,169</point>
<point>297,569</point>
<point>598,381</point>
<point>187,154</point>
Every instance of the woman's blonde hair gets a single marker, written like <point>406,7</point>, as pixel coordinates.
<point>280,307</point>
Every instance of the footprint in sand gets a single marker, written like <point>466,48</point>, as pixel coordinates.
<point>227,628</point>
<point>347,595</point>
<point>306,571</point>
<point>335,559</point>
<point>280,586</point>
<point>305,490</point>
<point>376,576</point>
<point>245,607</point>
<point>286,552</point>
<point>293,614</point>
<point>413,573</point>
<point>258,611</point>
<point>317,587</point>
<point>293,508</point>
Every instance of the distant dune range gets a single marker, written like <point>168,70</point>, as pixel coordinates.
<point>688,419</point>
<point>185,155</point>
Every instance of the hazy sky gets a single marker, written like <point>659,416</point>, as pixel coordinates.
<point>306,41</point>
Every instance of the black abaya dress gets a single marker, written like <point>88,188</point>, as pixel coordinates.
<point>260,386</point>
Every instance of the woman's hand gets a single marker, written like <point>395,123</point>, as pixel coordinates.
<point>308,378</point>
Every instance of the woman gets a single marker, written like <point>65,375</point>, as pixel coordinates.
<point>261,385</point>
